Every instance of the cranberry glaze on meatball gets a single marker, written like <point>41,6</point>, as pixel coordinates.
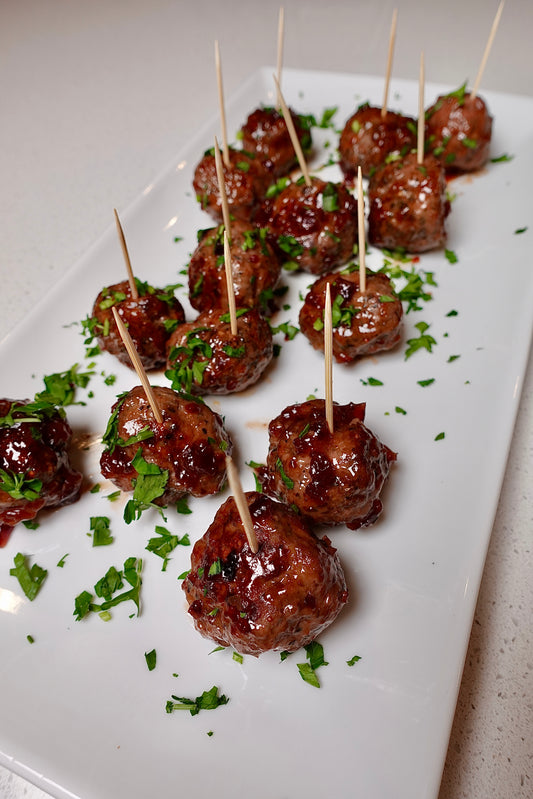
<point>332,478</point>
<point>254,264</point>
<point>204,357</point>
<point>408,205</point>
<point>368,138</point>
<point>149,319</point>
<point>35,471</point>
<point>266,135</point>
<point>315,226</point>
<point>189,445</point>
<point>458,131</point>
<point>362,323</point>
<point>280,598</point>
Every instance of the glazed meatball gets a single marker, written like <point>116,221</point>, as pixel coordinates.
<point>458,131</point>
<point>266,135</point>
<point>190,444</point>
<point>150,320</point>
<point>368,138</point>
<point>35,471</point>
<point>255,268</point>
<point>205,358</point>
<point>362,323</point>
<point>408,205</point>
<point>315,226</point>
<point>280,598</point>
<point>246,182</point>
<point>331,478</point>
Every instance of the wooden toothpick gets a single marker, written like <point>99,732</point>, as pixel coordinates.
<point>137,365</point>
<point>421,113</point>
<point>328,359</point>
<point>292,133</point>
<point>225,148</point>
<point>242,505</point>
<point>131,279</point>
<point>222,189</point>
<point>281,26</point>
<point>229,286</point>
<point>488,46</point>
<point>361,231</point>
<point>392,39</point>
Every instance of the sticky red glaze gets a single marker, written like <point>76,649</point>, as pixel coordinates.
<point>281,598</point>
<point>39,451</point>
<point>255,270</point>
<point>331,478</point>
<point>246,182</point>
<point>373,140</point>
<point>236,362</point>
<point>191,443</point>
<point>449,123</point>
<point>408,205</point>
<point>327,237</point>
<point>375,327</point>
<point>265,134</point>
<point>145,319</point>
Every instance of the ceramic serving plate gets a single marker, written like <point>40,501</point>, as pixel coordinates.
<point>81,714</point>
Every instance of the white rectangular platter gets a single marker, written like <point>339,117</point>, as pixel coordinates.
<point>81,715</point>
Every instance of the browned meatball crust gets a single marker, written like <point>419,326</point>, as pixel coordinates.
<point>190,444</point>
<point>408,205</point>
<point>281,598</point>
<point>35,471</point>
<point>315,227</point>
<point>150,319</point>
<point>368,138</point>
<point>246,181</point>
<point>266,135</point>
<point>458,131</point>
<point>205,358</point>
<point>362,323</point>
<point>255,268</point>
<point>331,478</point>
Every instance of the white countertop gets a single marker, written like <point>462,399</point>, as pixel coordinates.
<point>98,97</point>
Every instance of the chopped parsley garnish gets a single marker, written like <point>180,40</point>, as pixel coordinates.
<point>209,700</point>
<point>182,506</point>
<point>354,660</point>
<point>291,246</point>
<point>277,187</point>
<point>411,284</point>
<point>190,361</point>
<point>106,588</point>
<point>287,480</point>
<point>452,313</point>
<point>149,485</point>
<point>238,658</point>
<point>423,341</point>
<point>501,158</point>
<point>151,658</point>
<point>30,639</point>
<point>453,358</point>
<point>330,198</point>
<point>451,256</point>
<point>100,528</point>
<point>288,329</point>
<point>520,230</point>
<point>30,579</point>
<point>315,655</point>
<point>60,387</point>
<point>400,410</point>
<point>61,562</point>
<point>18,486</point>
<point>36,411</point>
<point>427,382</point>
<point>439,436</point>
<point>31,524</point>
<point>164,542</point>
<point>372,381</point>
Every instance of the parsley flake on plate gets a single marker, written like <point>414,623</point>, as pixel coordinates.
<point>30,579</point>
<point>209,700</point>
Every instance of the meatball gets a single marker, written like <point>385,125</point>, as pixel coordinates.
<point>246,182</point>
<point>281,598</point>
<point>150,319</point>
<point>458,131</point>
<point>266,135</point>
<point>315,227</point>
<point>368,138</point>
<point>331,478</point>
<point>362,323</point>
<point>205,358</point>
<point>255,268</point>
<point>189,446</point>
<point>408,205</point>
<point>35,472</point>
